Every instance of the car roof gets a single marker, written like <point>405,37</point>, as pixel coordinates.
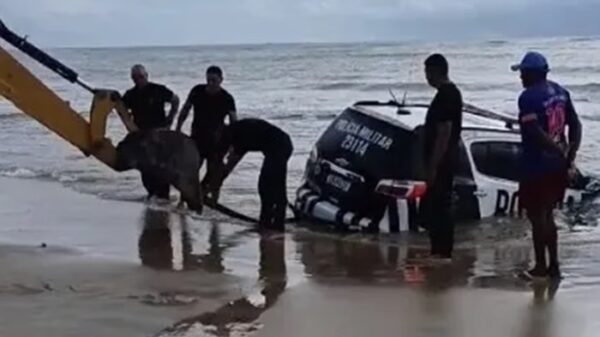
<point>413,115</point>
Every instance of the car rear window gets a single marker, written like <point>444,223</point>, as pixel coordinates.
<point>369,146</point>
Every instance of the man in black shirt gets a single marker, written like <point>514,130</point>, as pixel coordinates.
<point>211,105</point>
<point>146,103</point>
<point>257,135</point>
<point>443,125</point>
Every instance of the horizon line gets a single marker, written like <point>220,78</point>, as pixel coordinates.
<point>333,42</point>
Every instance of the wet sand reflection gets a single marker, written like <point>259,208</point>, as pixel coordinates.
<point>164,243</point>
<point>486,257</point>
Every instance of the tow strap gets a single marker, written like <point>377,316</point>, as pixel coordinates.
<point>237,215</point>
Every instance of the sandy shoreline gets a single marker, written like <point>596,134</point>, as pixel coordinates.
<point>88,279</point>
<point>73,264</point>
<point>375,311</point>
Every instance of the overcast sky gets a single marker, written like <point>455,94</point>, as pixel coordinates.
<point>175,22</point>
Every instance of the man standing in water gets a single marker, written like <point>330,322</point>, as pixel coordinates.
<point>257,135</point>
<point>545,109</point>
<point>443,125</point>
<point>211,104</point>
<point>146,102</point>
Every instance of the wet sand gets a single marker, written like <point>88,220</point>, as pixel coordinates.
<point>69,266</point>
<point>77,265</point>
<point>373,311</point>
<point>56,293</point>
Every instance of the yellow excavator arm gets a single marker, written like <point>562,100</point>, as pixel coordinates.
<point>34,98</point>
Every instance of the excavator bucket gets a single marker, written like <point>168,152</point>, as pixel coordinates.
<point>35,99</point>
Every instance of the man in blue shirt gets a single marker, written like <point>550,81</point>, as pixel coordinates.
<point>545,110</point>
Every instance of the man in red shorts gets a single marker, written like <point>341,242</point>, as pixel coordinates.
<point>545,110</point>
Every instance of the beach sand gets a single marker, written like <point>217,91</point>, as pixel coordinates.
<point>382,311</point>
<point>70,267</point>
<point>74,264</point>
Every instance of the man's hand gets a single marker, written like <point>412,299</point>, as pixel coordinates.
<point>174,108</point>
<point>544,141</point>
<point>183,114</point>
<point>232,116</point>
<point>572,173</point>
<point>571,153</point>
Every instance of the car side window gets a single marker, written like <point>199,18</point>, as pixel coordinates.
<point>497,159</point>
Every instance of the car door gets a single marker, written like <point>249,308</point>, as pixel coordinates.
<point>465,203</point>
<point>495,161</point>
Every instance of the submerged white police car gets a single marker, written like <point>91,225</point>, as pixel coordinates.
<point>372,144</point>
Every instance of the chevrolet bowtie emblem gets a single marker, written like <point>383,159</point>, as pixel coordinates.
<point>342,162</point>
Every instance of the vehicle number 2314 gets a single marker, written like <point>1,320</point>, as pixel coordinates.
<point>355,145</point>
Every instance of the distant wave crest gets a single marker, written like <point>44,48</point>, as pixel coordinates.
<point>338,86</point>
<point>12,115</point>
<point>576,69</point>
<point>584,39</point>
<point>592,86</point>
<point>326,116</point>
<point>20,173</point>
<point>414,86</point>
<point>288,117</point>
<point>496,42</point>
<point>27,173</point>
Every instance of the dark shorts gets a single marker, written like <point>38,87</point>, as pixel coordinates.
<point>543,192</point>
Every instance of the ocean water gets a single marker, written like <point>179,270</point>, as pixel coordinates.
<point>299,87</point>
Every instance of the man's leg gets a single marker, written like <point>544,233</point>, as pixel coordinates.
<point>196,176</point>
<point>431,221</point>
<point>446,227</point>
<point>202,150</point>
<point>162,189</point>
<point>191,193</point>
<point>148,182</point>
<point>443,213</point>
<point>538,218</point>
<point>552,245</point>
<point>266,193</point>
<point>561,181</point>
<point>203,182</point>
<point>441,228</point>
<point>211,169</point>
<point>438,216</point>
<point>533,198</point>
<point>280,194</point>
